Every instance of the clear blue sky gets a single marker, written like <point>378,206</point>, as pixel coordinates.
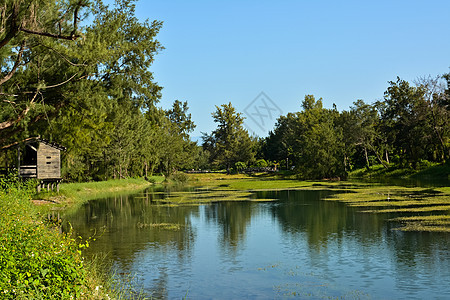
<point>231,51</point>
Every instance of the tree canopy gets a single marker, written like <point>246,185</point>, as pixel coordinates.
<point>90,87</point>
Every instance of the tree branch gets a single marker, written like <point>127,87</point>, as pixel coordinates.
<point>6,124</point>
<point>63,57</point>
<point>71,37</point>
<point>61,83</point>
<point>16,65</point>
<point>14,28</point>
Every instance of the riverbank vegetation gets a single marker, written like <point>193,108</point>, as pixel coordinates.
<point>36,260</point>
<point>40,262</point>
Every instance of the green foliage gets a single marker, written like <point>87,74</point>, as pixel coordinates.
<point>240,166</point>
<point>10,183</point>
<point>35,261</point>
<point>404,117</point>
<point>178,177</point>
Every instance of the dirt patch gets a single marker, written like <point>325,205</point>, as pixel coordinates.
<point>45,202</point>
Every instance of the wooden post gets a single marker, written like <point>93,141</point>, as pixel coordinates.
<point>18,160</point>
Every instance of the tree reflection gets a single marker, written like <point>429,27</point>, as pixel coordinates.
<point>233,219</point>
<point>124,226</point>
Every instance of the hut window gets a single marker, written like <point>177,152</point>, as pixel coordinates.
<point>49,162</point>
<point>49,157</point>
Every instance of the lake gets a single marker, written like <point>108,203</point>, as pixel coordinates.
<point>297,247</point>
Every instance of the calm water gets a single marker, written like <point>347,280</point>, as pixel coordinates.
<point>297,247</point>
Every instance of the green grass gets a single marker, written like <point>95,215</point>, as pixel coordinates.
<point>378,171</point>
<point>433,223</point>
<point>217,187</point>
<point>438,171</point>
<point>259,182</point>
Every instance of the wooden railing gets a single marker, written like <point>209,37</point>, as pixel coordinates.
<point>28,171</point>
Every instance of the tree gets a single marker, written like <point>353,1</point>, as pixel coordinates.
<point>39,56</point>
<point>404,115</point>
<point>230,142</point>
<point>49,69</point>
<point>437,97</point>
<point>178,115</point>
<point>365,132</point>
<point>179,151</point>
<point>278,145</point>
<point>318,151</point>
<point>310,139</point>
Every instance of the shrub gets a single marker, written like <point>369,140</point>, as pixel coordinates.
<point>35,260</point>
<point>179,177</point>
<point>239,166</point>
<point>261,163</point>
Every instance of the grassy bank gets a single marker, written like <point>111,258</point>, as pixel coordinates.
<point>426,170</point>
<point>72,195</point>
<point>36,260</point>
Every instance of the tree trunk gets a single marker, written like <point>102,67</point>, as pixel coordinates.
<point>367,159</point>
<point>380,159</point>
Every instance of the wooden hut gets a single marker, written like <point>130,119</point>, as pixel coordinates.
<point>41,159</point>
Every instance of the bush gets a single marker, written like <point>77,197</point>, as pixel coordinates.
<point>261,163</point>
<point>179,177</point>
<point>239,166</point>
<point>35,260</point>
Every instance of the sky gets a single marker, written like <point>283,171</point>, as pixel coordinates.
<point>265,56</point>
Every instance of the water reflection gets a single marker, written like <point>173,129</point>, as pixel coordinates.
<point>232,220</point>
<point>297,246</point>
<point>126,225</point>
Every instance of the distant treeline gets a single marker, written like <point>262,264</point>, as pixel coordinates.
<point>408,128</point>
<point>91,90</point>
